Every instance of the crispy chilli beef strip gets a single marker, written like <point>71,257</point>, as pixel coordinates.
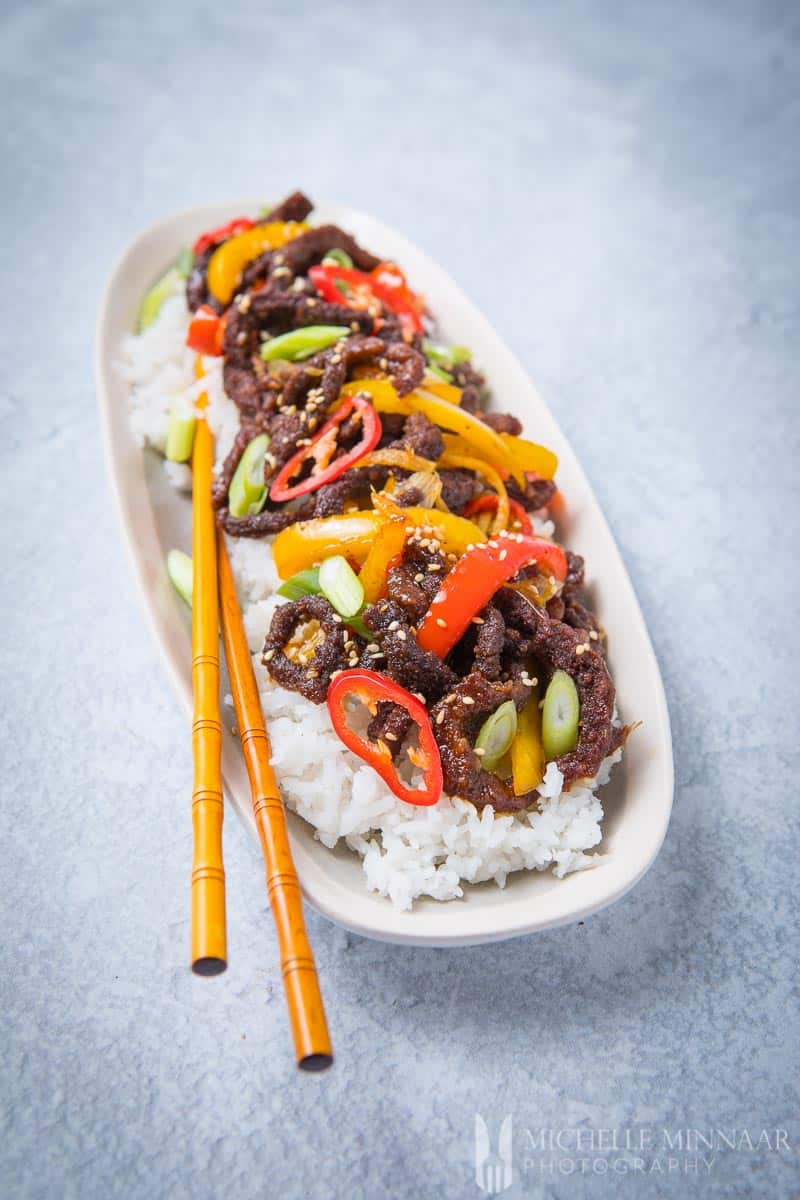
<point>557,646</point>
<point>246,378</point>
<point>404,365</point>
<point>269,520</point>
<point>536,494</point>
<point>354,486</point>
<point>281,267</point>
<point>501,422</point>
<point>295,207</point>
<point>395,653</point>
<point>390,724</point>
<point>490,641</point>
<point>456,721</point>
<point>421,437</point>
<point>569,607</point>
<point>458,488</point>
<point>331,653</point>
<point>472,384</point>
<point>222,483</point>
<point>414,581</point>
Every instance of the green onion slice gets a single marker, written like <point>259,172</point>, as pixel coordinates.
<point>185,262</point>
<point>302,343</point>
<point>304,583</point>
<point>438,373</point>
<point>247,494</point>
<point>445,356</point>
<point>496,735</point>
<point>180,431</point>
<point>340,584</point>
<point>560,715</point>
<point>179,569</point>
<point>154,299</point>
<point>338,258</point>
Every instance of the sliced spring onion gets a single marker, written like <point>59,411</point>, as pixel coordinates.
<point>560,715</point>
<point>154,299</point>
<point>180,432</point>
<point>340,584</point>
<point>185,262</point>
<point>438,373</point>
<point>445,356</point>
<point>179,569</point>
<point>247,494</point>
<point>355,623</point>
<point>497,734</point>
<point>304,583</point>
<point>302,343</point>
<point>338,257</point>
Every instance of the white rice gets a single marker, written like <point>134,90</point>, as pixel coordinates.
<point>406,851</point>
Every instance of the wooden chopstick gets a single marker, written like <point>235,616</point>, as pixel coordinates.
<point>209,941</point>
<point>303,996</point>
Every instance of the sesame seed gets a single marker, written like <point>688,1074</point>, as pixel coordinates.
<point>372,647</point>
<point>503,555</point>
<point>302,659</point>
<point>594,635</point>
<point>420,697</point>
<point>401,635</point>
<point>442,624</point>
<point>440,716</point>
<point>337,618</point>
<point>311,302</point>
<point>480,751</point>
<point>268,657</point>
<point>467,700</point>
<point>393,625</point>
<point>391,737</point>
<point>418,578</point>
<point>478,621</point>
<point>433,567</point>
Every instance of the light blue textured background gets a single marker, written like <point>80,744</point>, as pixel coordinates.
<point>618,186</point>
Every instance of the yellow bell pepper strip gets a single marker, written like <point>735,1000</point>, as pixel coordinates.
<point>230,259</point>
<point>528,456</point>
<point>388,544</point>
<point>445,391</point>
<point>527,751</point>
<point>480,438</point>
<point>352,534</point>
<point>463,462</point>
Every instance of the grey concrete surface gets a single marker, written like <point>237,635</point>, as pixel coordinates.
<point>618,186</point>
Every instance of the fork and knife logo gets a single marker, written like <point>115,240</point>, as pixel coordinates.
<point>494,1172</point>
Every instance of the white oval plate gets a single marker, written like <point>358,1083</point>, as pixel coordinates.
<point>638,799</point>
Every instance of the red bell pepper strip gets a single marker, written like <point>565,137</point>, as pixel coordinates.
<point>385,286</point>
<point>231,229</point>
<point>320,452</point>
<point>370,687</point>
<point>206,331</point>
<point>488,503</point>
<point>474,580</point>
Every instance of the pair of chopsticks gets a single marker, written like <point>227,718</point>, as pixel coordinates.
<point>214,596</point>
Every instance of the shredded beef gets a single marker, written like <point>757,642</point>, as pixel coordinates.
<point>414,581</point>
<point>457,489</point>
<point>390,724</point>
<point>402,659</point>
<point>269,520</point>
<point>489,643</point>
<point>554,645</point>
<point>502,422</point>
<point>295,207</point>
<point>310,679</point>
<point>536,494</point>
<point>354,485</point>
<point>456,721</point>
<point>421,437</point>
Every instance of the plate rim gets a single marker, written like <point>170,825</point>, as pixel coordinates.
<point>397,928</point>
